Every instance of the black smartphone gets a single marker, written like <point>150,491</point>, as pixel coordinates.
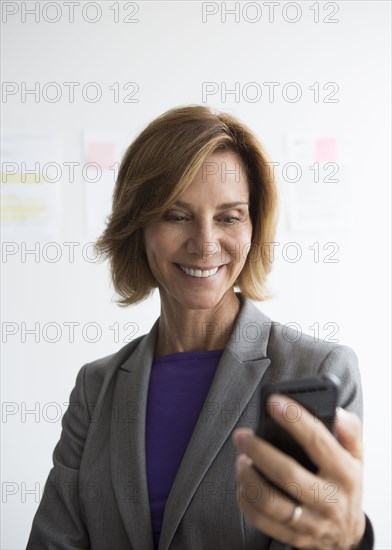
<point>319,395</point>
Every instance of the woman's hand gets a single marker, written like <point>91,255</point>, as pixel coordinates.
<point>328,512</point>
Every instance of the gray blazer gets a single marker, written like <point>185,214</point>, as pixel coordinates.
<point>96,493</point>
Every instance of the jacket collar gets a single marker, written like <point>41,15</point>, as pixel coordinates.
<point>240,369</point>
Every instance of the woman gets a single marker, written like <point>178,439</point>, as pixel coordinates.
<point>147,455</point>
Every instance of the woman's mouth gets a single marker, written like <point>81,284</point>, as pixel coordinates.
<point>198,273</point>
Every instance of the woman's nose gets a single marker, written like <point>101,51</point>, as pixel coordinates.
<point>204,239</point>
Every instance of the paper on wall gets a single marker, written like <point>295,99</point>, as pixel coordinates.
<point>30,186</point>
<point>316,184</point>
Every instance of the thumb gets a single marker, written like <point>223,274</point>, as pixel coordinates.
<point>349,432</point>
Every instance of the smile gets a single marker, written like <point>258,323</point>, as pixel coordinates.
<point>199,273</point>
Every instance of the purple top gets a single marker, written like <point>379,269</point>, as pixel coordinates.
<point>178,386</point>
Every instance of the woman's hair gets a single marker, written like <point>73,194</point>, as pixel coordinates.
<point>157,168</point>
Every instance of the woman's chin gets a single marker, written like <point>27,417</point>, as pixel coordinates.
<point>192,299</point>
<point>201,299</point>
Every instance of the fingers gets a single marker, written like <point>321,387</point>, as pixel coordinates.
<point>270,511</point>
<point>320,445</point>
<point>349,432</point>
<point>257,494</point>
<point>285,472</point>
<point>330,502</point>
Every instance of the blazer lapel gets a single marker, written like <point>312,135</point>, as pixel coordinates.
<point>128,461</point>
<point>240,370</point>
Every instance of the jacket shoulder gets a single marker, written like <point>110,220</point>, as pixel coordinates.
<point>99,373</point>
<point>294,354</point>
<point>289,341</point>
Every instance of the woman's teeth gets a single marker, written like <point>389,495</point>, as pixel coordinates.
<point>198,272</point>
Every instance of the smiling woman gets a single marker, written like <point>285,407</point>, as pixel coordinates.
<point>193,205</point>
<point>198,249</point>
<point>197,155</point>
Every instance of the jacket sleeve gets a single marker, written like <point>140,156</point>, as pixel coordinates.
<point>343,362</point>
<point>58,523</point>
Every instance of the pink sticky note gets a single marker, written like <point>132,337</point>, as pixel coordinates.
<point>102,153</point>
<point>325,150</point>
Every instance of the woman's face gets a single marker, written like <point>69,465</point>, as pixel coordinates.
<point>199,246</point>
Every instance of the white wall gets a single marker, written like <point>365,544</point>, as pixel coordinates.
<point>170,52</point>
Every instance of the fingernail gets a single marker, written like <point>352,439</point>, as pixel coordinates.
<point>243,459</point>
<point>240,438</point>
<point>275,401</point>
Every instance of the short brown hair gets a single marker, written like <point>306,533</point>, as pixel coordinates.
<point>157,168</point>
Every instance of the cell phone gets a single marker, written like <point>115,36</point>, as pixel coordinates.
<point>319,395</point>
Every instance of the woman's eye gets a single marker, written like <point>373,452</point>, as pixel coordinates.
<point>173,218</point>
<point>230,220</point>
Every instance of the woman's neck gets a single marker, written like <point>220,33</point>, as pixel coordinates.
<point>182,329</point>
